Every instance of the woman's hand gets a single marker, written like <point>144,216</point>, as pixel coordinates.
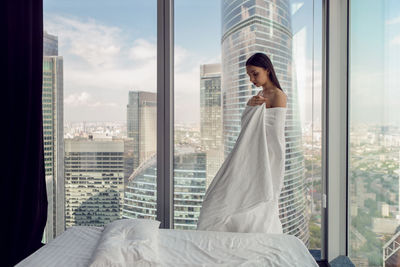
<point>259,100</point>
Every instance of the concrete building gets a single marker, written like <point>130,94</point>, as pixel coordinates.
<point>94,181</point>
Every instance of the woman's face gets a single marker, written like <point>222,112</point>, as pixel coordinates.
<point>258,76</point>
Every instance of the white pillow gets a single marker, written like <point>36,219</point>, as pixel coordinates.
<point>128,242</point>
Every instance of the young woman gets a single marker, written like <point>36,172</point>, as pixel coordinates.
<point>244,194</point>
<point>262,73</point>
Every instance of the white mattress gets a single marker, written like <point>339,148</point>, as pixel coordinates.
<point>182,248</point>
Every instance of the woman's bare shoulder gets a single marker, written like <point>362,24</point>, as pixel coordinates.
<point>280,99</point>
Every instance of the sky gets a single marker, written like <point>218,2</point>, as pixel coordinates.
<point>375,62</point>
<point>109,48</point>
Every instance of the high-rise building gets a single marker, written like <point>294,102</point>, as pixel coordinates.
<point>189,189</point>
<point>141,125</point>
<point>211,118</point>
<point>264,26</point>
<point>94,181</point>
<point>53,135</point>
<point>50,44</point>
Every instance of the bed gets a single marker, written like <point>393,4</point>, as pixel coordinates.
<point>146,245</point>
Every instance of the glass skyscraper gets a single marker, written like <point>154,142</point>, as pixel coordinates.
<point>53,135</point>
<point>140,198</point>
<point>211,117</point>
<point>142,125</point>
<point>264,26</point>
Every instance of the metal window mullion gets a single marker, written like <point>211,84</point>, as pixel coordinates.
<point>165,115</point>
<point>336,111</point>
<point>324,148</point>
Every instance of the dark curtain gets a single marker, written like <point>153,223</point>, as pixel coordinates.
<point>23,186</point>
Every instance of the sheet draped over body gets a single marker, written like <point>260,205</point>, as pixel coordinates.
<point>243,197</point>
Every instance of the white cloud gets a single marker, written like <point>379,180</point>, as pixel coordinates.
<point>143,50</point>
<point>101,64</point>
<point>85,99</point>
<point>395,41</point>
<point>393,21</point>
<point>96,44</point>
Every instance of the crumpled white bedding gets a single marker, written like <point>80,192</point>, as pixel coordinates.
<point>244,194</point>
<point>127,243</point>
<point>77,247</point>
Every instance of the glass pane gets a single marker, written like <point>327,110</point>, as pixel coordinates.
<point>374,131</point>
<point>212,89</point>
<point>99,112</point>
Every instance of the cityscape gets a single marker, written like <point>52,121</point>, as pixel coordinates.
<point>100,171</point>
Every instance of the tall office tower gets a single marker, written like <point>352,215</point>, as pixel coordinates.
<point>142,125</point>
<point>50,45</point>
<point>94,181</point>
<point>53,135</point>
<point>264,26</point>
<point>189,189</point>
<point>211,117</point>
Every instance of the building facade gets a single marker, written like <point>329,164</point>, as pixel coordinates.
<point>211,118</point>
<point>141,125</point>
<point>94,181</point>
<point>140,200</point>
<point>53,135</point>
<point>264,26</point>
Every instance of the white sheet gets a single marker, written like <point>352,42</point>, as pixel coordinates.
<point>183,248</point>
<point>122,244</point>
<point>243,196</point>
<point>128,242</point>
<point>207,248</point>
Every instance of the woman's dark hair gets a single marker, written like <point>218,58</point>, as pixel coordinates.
<point>263,61</point>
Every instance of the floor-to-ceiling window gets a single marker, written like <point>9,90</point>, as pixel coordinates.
<point>374,133</point>
<point>100,107</point>
<point>99,111</point>
<point>213,40</point>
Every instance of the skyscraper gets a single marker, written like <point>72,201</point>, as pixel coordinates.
<point>264,26</point>
<point>53,135</point>
<point>211,117</point>
<point>141,125</point>
<point>94,181</point>
<point>50,44</point>
<point>189,189</point>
